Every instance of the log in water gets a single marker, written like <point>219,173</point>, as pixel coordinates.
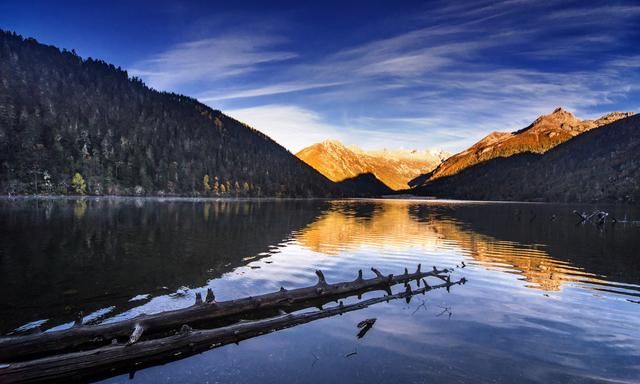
<point>118,358</point>
<point>17,348</point>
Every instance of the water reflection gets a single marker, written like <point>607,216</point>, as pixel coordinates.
<point>348,225</point>
<point>539,242</point>
<point>59,257</point>
<point>547,301</point>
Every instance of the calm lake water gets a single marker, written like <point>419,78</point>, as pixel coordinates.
<point>546,300</point>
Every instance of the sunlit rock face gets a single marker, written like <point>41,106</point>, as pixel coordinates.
<point>543,134</point>
<point>393,167</point>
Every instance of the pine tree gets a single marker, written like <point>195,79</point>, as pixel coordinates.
<point>78,184</point>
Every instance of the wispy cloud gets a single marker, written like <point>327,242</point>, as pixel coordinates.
<point>268,90</point>
<point>210,59</point>
<point>597,13</point>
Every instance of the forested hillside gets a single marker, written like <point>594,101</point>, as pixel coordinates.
<point>69,125</point>
<point>602,164</point>
<point>543,134</point>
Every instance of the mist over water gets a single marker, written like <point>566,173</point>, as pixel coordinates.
<point>546,300</point>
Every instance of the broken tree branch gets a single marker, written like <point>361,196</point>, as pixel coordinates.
<point>365,326</point>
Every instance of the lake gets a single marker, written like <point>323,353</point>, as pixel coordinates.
<point>547,300</point>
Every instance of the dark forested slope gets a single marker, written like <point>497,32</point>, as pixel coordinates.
<point>600,165</point>
<point>61,115</point>
<point>364,185</point>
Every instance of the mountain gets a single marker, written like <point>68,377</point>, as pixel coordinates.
<point>393,167</point>
<point>599,165</point>
<point>364,185</point>
<point>543,134</point>
<point>61,115</point>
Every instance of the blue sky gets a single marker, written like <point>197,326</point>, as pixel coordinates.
<point>434,74</point>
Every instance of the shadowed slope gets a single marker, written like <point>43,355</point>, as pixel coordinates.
<point>365,185</point>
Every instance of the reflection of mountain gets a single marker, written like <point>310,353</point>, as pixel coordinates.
<point>538,268</point>
<point>57,258</point>
<point>578,250</point>
<point>501,237</point>
<point>350,225</point>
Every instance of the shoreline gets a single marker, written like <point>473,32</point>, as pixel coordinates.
<point>391,198</point>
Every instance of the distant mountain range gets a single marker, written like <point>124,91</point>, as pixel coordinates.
<point>543,134</point>
<point>73,125</point>
<point>392,167</point>
<point>600,164</point>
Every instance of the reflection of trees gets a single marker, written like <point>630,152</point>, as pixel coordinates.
<point>80,209</point>
<point>61,256</point>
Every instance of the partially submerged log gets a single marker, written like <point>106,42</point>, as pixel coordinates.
<point>18,348</point>
<point>596,217</point>
<point>120,358</point>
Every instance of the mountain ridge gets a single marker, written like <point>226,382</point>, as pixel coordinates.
<point>544,133</point>
<point>601,164</point>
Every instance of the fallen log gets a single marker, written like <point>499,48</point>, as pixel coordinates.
<point>17,348</point>
<point>121,358</point>
<point>596,217</point>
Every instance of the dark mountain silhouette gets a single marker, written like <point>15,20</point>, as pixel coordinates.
<point>600,165</point>
<point>365,184</point>
<point>61,115</point>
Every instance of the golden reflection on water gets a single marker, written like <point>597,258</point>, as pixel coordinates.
<point>391,226</point>
<point>388,227</point>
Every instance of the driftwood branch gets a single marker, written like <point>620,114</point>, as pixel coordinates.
<point>365,326</point>
<point>18,348</point>
<point>596,217</point>
<point>121,358</point>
